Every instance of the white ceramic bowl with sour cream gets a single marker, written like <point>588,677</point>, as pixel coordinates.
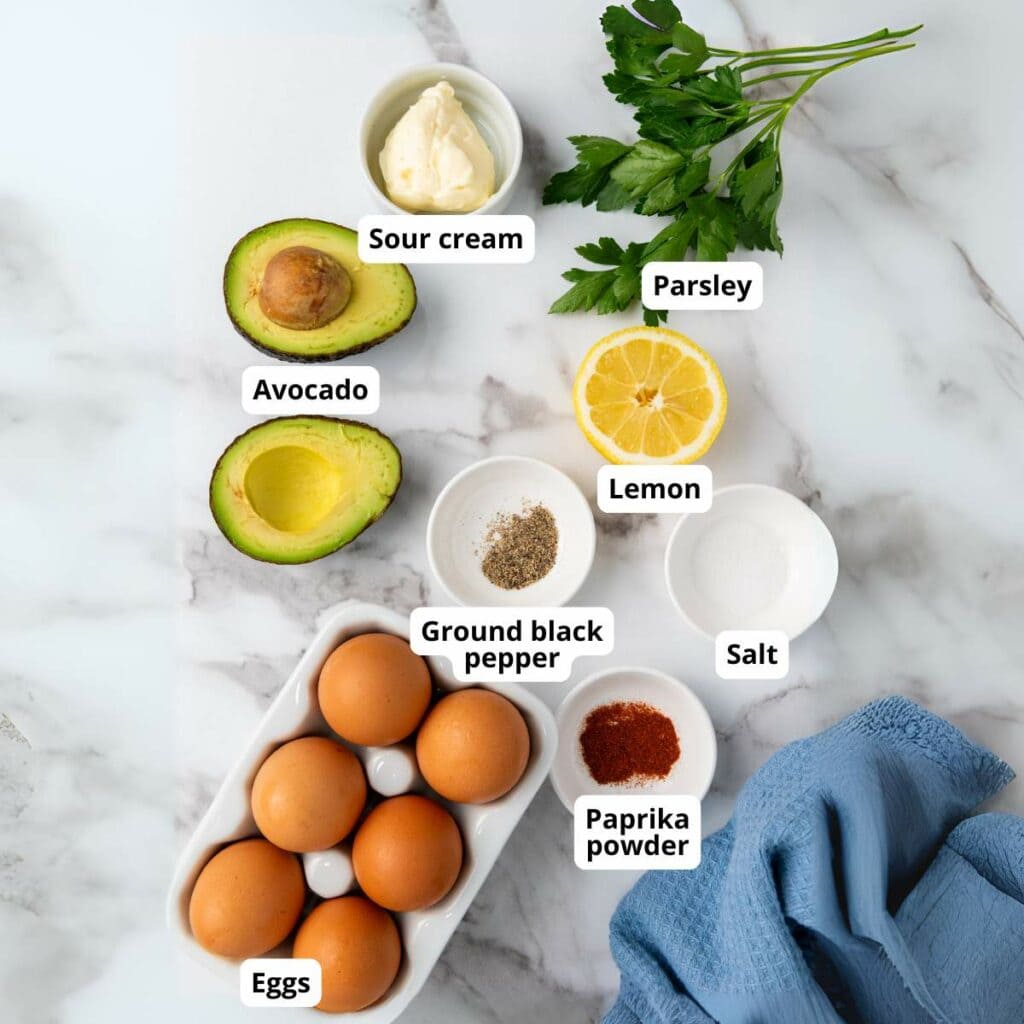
<point>487,106</point>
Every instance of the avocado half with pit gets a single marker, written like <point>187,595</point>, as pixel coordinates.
<point>297,488</point>
<point>297,290</point>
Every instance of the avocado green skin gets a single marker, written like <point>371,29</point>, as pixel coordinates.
<point>291,357</point>
<point>284,559</point>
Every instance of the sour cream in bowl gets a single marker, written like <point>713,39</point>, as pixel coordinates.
<point>441,167</point>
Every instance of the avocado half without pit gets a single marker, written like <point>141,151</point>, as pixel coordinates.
<point>297,488</point>
<point>296,289</point>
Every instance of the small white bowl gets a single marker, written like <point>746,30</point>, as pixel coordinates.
<point>486,104</point>
<point>759,559</point>
<point>503,485</point>
<point>698,747</point>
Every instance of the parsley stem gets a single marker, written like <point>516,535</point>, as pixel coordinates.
<point>805,72</point>
<point>874,37</point>
<point>778,110</point>
<point>751,82</point>
<point>813,58</point>
<point>854,58</point>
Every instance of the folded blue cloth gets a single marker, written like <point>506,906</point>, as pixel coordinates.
<point>846,889</point>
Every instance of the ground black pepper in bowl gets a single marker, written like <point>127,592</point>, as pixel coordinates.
<point>520,549</point>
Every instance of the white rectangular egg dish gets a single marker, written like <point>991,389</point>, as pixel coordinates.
<point>295,712</point>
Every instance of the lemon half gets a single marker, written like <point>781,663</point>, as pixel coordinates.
<point>649,395</point>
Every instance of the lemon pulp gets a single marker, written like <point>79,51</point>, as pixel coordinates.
<point>649,395</point>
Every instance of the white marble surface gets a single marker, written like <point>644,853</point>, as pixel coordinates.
<point>883,381</point>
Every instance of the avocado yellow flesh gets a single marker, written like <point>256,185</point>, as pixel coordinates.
<point>381,300</point>
<point>293,489</point>
<point>297,488</point>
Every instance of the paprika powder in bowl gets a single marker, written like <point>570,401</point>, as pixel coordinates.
<point>633,730</point>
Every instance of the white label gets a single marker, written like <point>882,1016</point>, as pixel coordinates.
<point>636,833</point>
<point>654,488</point>
<point>310,390</point>
<point>752,654</point>
<point>525,645</point>
<point>683,285</point>
<point>280,982</point>
<point>446,238</point>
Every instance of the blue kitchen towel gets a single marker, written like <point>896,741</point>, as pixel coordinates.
<point>848,888</point>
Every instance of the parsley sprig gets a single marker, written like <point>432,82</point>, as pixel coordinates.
<point>689,98</point>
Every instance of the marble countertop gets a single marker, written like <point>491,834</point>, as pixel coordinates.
<point>882,382</point>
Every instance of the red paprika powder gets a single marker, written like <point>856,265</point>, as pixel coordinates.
<point>628,741</point>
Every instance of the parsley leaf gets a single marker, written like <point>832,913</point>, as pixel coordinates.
<point>688,40</point>
<point>607,291</point>
<point>598,150</point>
<point>619,23</point>
<point>588,287</point>
<point>646,165</point>
<point>604,250</point>
<point>614,197</point>
<point>756,185</point>
<point>695,133</point>
<point>662,13</point>
<point>722,89</point>
<point>693,51</point>
<point>583,183</point>
<point>671,243</point>
<point>715,218</point>
<point>670,192</point>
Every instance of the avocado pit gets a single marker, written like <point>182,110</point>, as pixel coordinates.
<point>304,288</point>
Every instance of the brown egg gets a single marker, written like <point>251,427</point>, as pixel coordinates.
<point>308,794</point>
<point>408,853</point>
<point>473,746</point>
<point>374,690</point>
<point>246,900</point>
<point>358,948</point>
